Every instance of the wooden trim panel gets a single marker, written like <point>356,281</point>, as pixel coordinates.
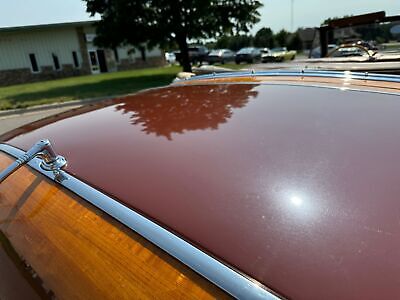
<point>350,83</point>
<point>80,252</point>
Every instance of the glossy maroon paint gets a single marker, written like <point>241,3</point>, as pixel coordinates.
<point>298,187</point>
<point>13,283</point>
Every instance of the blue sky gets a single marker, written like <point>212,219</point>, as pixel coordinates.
<point>275,14</point>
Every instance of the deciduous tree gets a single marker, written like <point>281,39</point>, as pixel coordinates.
<point>160,22</point>
<point>264,38</point>
<point>281,38</point>
<point>295,42</point>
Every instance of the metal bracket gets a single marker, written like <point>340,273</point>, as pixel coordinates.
<point>43,150</point>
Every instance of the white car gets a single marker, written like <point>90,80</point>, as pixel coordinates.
<point>170,58</point>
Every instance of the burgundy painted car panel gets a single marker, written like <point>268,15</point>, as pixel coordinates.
<point>296,186</point>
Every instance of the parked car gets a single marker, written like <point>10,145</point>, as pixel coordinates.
<point>316,52</point>
<point>354,56</point>
<point>253,185</point>
<point>265,52</point>
<point>170,58</point>
<point>348,50</point>
<point>248,55</point>
<point>197,54</point>
<point>370,45</point>
<point>279,54</point>
<point>358,48</point>
<point>220,56</point>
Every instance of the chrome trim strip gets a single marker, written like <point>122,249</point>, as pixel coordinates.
<point>303,73</point>
<point>44,150</point>
<point>221,275</point>
<point>305,84</point>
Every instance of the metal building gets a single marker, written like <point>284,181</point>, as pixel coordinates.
<point>42,52</point>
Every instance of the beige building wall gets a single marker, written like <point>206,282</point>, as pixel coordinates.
<point>16,44</point>
<point>15,47</point>
<point>124,52</point>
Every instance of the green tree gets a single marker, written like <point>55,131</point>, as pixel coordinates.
<point>281,38</point>
<point>223,42</point>
<point>264,38</point>
<point>295,42</point>
<point>160,22</point>
<point>238,42</point>
<point>234,42</point>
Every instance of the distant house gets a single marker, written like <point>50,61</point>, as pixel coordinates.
<point>42,52</point>
<point>307,36</point>
<point>346,33</point>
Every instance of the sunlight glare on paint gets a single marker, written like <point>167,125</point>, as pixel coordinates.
<point>297,201</point>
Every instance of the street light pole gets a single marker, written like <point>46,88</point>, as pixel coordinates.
<point>291,15</point>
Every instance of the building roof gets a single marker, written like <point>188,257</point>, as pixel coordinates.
<point>46,26</point>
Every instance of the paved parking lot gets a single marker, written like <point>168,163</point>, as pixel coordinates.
<point>10,122</point>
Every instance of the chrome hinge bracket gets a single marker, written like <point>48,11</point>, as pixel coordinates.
<point>43,150</point>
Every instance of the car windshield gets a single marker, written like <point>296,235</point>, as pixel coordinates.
<point>216,52</point>
<point>279,49</point>
<point>375,32</point>
<point>350,51</point>
<point>245,50</point>
<point>194,49</point>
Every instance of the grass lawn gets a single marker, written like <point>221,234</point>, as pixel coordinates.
<point>74,88</point>
<point>91,86</point>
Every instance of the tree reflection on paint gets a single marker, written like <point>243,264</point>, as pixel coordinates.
<point>179,109</point>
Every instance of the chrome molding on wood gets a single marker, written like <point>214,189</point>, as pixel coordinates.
<point>302,73</point>
<point>229,280</point>
<point>43,149</point>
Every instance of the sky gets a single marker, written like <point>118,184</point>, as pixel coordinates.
<point>309,13</point>
<point>275,13</point>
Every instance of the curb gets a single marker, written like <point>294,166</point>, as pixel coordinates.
<point>20,111</point>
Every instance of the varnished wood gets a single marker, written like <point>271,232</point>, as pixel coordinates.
<point>80,252</point>
<point>369,85</point>
<point>13,283</point>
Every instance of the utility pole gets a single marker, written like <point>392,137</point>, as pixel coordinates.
<point>291,15</point>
